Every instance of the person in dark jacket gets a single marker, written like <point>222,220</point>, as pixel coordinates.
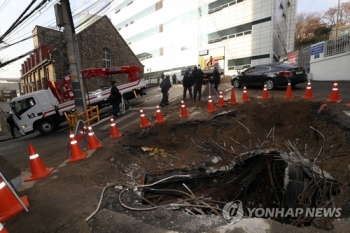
<point>174,79</point>
<point>12,124</point>
<point>165,85</point>
<point>187,84</point>
<point>198,82</point>
<point>216,77</point>
<point>115,98</point>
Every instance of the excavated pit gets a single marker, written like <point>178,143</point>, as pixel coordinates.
<point>263,154</point>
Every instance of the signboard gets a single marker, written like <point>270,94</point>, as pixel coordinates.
<point>203,52</point>
<point>317,49</point>
<point>291,59</point>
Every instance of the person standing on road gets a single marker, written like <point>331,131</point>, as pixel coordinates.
<point>198,82</point>
<point>165,85</point>
<point>12,124</point>
<point>115,98</point>
<point>216,77</point>
<point>187,84</point>
<point>174,79</point>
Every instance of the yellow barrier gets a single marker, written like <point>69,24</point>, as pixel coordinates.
<point>91,114</point>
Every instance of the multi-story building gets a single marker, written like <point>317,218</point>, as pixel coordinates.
<point>168,35</point>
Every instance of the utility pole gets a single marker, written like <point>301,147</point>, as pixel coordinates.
<point>336,26</point>
<point>64,18</point>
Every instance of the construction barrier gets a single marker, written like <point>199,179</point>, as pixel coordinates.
<point>10,203</point>
<point>88,116</point>
<point>289,94</point>
<point>184,112</point>
<point>38,168</point>
<point>114,130</point>
<point>159,115</point>
<point>76,152</point>
<point>334,94</point>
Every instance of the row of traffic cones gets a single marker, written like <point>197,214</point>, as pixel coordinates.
<point>334,97</point>
<point>11,205</point>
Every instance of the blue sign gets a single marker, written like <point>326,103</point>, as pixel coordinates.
<point>317,49</point>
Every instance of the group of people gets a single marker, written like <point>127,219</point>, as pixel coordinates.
<point>195,80</point>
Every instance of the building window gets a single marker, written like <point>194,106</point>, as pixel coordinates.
<point>106,58</point>
<point>344,32</point>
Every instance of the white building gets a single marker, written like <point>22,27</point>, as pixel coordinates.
<point>169,35</point>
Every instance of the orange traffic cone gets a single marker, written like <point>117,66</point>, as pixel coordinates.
<point>37,166</point>
<point>233,96</point>
<point>308,92</point>
<point>289,94</point>
<point>265,94</point>
<point>9,204</point>
<point>334,94</point>
<point>245,95</point>
<point>221,101</point>
<point>2,229</point>
<point>77,154</point>
<point>160,118</point>
<point>144,122</point>
<point>210,105</point>
<point>114,130</point>
<point>184,112</point>
<point>93,142</point>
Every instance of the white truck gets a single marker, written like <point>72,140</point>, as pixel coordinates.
<point>43,110</point>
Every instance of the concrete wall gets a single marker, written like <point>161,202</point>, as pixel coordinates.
<point>335,68</point>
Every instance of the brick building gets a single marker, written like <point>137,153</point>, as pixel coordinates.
<point>100,45</point>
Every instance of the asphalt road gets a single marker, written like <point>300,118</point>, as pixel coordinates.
<point>148,103</point>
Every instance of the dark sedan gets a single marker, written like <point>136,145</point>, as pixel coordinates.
<point>271,75</point>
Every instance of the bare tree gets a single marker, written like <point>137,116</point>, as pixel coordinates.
<point>330,16</point>
<point>306,24</point>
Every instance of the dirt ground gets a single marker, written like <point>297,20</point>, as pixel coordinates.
<point>62,202</point>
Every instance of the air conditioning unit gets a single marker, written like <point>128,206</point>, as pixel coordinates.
<point>218,39</point>
<point>211,41</point>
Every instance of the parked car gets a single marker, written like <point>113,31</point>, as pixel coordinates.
<point>271,75</point>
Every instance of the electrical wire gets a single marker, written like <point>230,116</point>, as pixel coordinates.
<point>1,8</point>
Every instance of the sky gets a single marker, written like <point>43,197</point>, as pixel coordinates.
<point>10,10</point>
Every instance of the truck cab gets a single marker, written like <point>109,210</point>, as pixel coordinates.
<point>29,109</point>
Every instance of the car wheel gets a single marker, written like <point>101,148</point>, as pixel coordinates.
<point>45,126</point>
<point>270,84</point>
<point>236,83</point>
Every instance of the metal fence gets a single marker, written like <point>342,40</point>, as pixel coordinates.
<point>304,57</point>
<point>337,45</point>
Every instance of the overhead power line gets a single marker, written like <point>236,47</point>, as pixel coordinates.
<point>19,20</point>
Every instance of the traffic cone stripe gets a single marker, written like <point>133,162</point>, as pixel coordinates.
<point>2,184</point>
<point>73,142</point>
<point>142,115</point>
<point>90,134</point>
<point>33,156</point>
<point>71,136</point>
<point>113,124</point>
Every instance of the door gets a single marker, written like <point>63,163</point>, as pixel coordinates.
<point>259,75</point>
